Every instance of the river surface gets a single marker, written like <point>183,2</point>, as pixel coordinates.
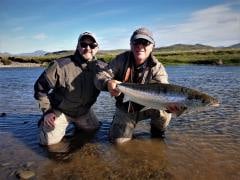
<point>203,145</point>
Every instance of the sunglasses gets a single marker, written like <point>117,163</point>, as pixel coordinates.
<point>143,42</point>
<point>91,45</point>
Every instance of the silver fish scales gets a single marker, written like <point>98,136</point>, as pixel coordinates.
<point>160,96</point>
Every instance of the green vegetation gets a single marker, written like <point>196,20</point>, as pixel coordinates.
<point>201,56</point>
<point>227,57</point>
<point>177,54</point>
<point>5,61</point>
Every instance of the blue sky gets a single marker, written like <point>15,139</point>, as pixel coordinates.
<point>30,25</point>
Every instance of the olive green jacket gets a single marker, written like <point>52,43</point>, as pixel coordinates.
<point>67,85</point>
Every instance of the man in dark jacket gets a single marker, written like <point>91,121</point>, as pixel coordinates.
<point>66,92</point>
<point>135,66</point>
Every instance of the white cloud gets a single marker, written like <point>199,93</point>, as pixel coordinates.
<point>40,36</point>
<point>217,26</point>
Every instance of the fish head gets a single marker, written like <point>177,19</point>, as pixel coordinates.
<point>209,101</point>
<point>214,102</point>
<point>203,100</point>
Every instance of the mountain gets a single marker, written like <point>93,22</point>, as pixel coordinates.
<point>4,54</point>
<point>184,47</point>
<point>35,53</point>
<point>235,46</point>
<point>63,52</point>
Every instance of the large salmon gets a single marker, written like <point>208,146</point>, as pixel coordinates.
<point>160,96</point>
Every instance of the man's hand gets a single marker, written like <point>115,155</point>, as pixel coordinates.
<point>49,120</point>
<point>112,84</point>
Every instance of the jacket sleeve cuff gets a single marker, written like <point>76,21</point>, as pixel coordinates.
<point>48,111</point>
<point>105,84</point>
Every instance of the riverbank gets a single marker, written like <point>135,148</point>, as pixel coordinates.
<point>18,64</point>
<point>173,57</point>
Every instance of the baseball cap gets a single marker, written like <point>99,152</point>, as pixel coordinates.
<point>142,33</point>
<point>87,34</point>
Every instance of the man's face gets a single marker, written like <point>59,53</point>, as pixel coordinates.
<point>87,48</point>
<point>141,49</point>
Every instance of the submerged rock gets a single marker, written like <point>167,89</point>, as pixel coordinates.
<point>219,62</point>
<point>5,164</point>
<point>25,174</point>
<point>28,164</point>
<point>3,114</point>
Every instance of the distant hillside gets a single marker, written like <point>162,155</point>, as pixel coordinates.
<point>235,46</point>
<point>116,51</point>
<point>60,53</point>
<point>70,52</point>
<point>32,54</point>
<point>184,47</point>
<point>175,47</point>
<point>4,54</point>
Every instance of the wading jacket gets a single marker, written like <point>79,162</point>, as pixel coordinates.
<point>67,85</point>
<point>122,69</point>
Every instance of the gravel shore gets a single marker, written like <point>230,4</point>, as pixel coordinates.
<point>17,64</point>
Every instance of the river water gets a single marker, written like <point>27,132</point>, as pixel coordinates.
<point>203,145</point>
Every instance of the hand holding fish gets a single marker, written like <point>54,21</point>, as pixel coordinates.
<point>112,87</point>
<point>49,120</point>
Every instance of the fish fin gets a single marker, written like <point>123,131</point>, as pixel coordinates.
<point>126,98</point>
<point>145,108</point>
<point>181,111</point>
<point>176,108</point>
<point>129,106</point>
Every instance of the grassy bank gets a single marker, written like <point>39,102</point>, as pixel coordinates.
<point>210,56</point>
<point>227,57</point>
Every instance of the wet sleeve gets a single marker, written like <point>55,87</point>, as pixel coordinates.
<point>45,83</point>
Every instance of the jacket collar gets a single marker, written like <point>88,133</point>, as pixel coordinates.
<point>80,61</point>
<point>151,61</point>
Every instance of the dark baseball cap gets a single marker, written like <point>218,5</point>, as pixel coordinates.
<point>142,33</point>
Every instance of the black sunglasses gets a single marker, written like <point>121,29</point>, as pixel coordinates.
<point>144,42</point>
<point>91,45</point>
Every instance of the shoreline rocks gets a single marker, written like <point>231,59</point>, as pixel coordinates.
<point>18,64</point>
<point>25,174</point>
